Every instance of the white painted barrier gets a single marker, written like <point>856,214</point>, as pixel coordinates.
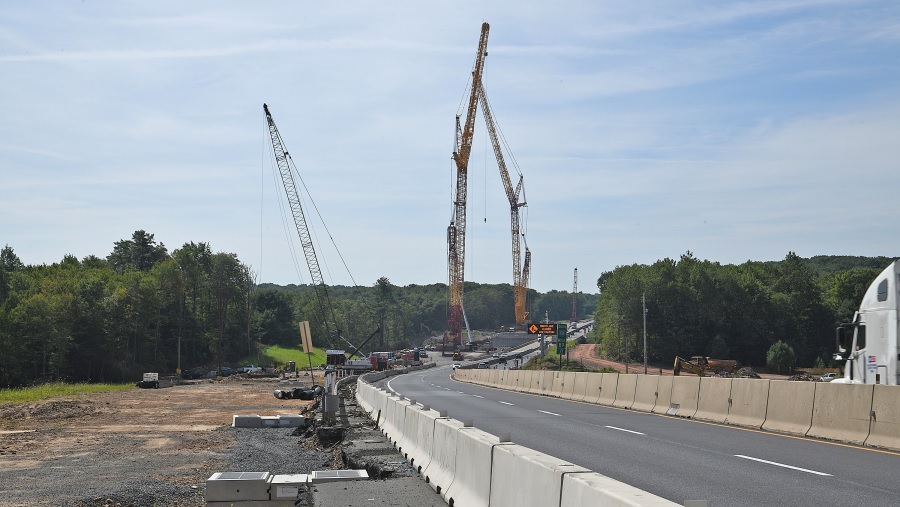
<point>420,431</point>
<point>593,489</point>
<point>593,388</point>
<point>842,412</point>
<point>645,393</point>
<point>579,386</point>
<point>790,406</point>
<point>714,401</point>
<point>749,402</point>
<point>471,484</point>
<point>625,391</point>
<point>885,431</point>
<point>441,469</point>
<point>521,476</point>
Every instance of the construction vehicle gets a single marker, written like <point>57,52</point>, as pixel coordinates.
<point>456,231</point>
<point>457,356</point>
<point>868,345</point>
<point>520,276</point>
<point>287,169</point>
<point>703,366</point>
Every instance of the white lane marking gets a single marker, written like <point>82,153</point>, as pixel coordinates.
<point>507,403</point>
<point>551,413</point>
<point>475,395</point>
<point>623,429</point>
<point>782,465</point>
<point>460,392</point>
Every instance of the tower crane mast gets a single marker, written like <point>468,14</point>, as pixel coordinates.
<point>520,276</point>
<point>456,232</point>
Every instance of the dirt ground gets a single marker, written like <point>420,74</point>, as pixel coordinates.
<point>51,450</point>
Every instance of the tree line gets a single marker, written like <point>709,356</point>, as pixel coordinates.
<point>143,308</point>
<point>740,312</point>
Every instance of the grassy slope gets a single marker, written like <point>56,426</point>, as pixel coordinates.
<point>280,356</point>
<point>55,390</point>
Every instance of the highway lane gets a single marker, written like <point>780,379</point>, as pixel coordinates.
<point>674,458</point>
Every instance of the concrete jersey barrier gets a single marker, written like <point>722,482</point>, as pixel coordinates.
<point>714,399</point>
<point>471,484</point>
<point>593,489</point>
<point>842,412</point>
<point>645,393</point>
<point>441,469</point>
<point>685,396</point>
<point>749,402</point>
<point>521,476</point>
<point>663,395</point>
<point>608,388</point>
<point>580,385</point>
<point>885,431</point>
<point>593,388</point>
<point>790,406</point>
<point>625,391</point>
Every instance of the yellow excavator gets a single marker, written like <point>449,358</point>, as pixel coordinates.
<point>703,366</point>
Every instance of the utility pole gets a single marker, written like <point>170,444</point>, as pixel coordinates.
<point>644,304</point>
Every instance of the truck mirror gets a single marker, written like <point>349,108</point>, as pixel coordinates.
<point>844,338</point>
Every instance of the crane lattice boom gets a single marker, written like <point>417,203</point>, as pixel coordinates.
<point>456,232</point>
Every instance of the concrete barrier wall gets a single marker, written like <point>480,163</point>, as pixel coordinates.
<point>580,386</point>
<point>441,468</point>
<point>525,380</point>
<point>790,406</point>
<point>749,402</point>
<point>608,388</point>
<point>715,399</point>
<point>420,424</point>
<point>593,388</point>
<point>593,489</point>
<point>521,476</point>
<point>663,395</point>
<point>625,391</point>
<point>842,412</point>
<point>472,481</point>
<point>546,382</point>
<point>556,387</point>
<point>568,385</point>
<point>645,393</point>
<point>885,431</point>
<point>685,395</point>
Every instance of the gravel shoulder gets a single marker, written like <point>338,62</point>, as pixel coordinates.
<point>139,447</point>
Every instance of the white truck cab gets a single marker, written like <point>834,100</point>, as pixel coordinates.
<point>869,344</point>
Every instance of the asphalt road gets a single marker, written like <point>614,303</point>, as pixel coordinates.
<point>674,458</point>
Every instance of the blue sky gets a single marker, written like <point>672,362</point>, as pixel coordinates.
<point>735,130</point>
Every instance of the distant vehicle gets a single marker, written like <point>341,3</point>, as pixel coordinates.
<point>828,377</point>
<point>482,365</point>
<point>456,366</point>
<point>192,374</point>
<point>496,355</point>
<point>251,369</point>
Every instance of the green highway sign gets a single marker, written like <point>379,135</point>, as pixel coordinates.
<point>561,346</point>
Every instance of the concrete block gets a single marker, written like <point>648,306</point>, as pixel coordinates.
<point>714,400</point>
<point>557,384</point>
<point>625,391</point>
<point>419,431</point>
<point>749,402</point>
<point>269,421</point>
<point>790,406</point>
<point>885,430</point>
<point>521,476</point>
<point>291,421</point>
<point>685,396</point>
<point>608,388</point>
<point>645,393</point>
<point>589,489</point>
<point>237,486</point>
<point>842,412</point>
<point>592,388</point>
<point>246,421</point>
<point>441,469</point>
<point>287,487</point>
<point>663,394</point>
<point>580,386</point>
<point>471,484</point>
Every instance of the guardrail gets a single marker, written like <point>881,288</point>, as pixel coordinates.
<point>860,414</point>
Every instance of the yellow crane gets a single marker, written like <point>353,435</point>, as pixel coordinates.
<point>520,274</point>
<point>456,231</point>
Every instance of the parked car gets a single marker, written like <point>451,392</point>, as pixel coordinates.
<point>252,368</point>
<point>192,374</point>
<point>456,366</point>
<point>828,377</point>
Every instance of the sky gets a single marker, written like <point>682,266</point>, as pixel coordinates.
<point>735,130</point>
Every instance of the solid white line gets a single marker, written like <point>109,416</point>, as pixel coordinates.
<point>782,465</point>
<point>551,413</point>
<point>507,403</point>
<point>623,429</point>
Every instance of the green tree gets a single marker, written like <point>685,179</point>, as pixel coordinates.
<point>780,357</point>
<point>139,253</point>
